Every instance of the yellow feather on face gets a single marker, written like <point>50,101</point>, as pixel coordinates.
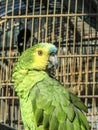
<point>41,56</point>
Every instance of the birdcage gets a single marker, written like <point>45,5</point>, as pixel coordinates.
<point>72,25</point>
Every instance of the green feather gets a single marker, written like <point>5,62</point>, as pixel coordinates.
<point>82,127</point>
<point>60,114</point>
<point>46,120</point>
<point>77,124</point>
<point>77,102</point>
<point>41,102</point>
<point>62,126</point>
<point>40,128</point>
<point>69,125</point>
<point>70,112</point>
<point>39,116</point>
<point>82,119</point>
<point>53,123</point>
<point>49,110</point>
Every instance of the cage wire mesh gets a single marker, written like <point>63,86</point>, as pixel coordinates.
<point>69,24</point>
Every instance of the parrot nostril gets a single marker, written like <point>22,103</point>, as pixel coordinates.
<point>52,54</point>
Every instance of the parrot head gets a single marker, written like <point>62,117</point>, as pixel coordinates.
<point>41,56</point>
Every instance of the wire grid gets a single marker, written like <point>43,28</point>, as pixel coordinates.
<point>70,25</point>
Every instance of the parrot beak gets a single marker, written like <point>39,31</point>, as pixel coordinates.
<point>52,64</point>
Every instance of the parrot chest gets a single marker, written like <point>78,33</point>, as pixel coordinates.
<point>27,114</point>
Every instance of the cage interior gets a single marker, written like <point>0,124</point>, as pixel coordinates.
<point>69,24</point>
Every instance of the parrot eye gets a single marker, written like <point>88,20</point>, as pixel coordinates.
<point>40,52</point>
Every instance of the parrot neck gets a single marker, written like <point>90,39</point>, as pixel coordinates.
<point>24,80</point>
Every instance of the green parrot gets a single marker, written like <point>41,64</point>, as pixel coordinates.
<point>45,103</point>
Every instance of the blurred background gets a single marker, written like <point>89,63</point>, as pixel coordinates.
<point>72,25</point>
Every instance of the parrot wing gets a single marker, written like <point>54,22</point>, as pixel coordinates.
<point>55,108</point>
